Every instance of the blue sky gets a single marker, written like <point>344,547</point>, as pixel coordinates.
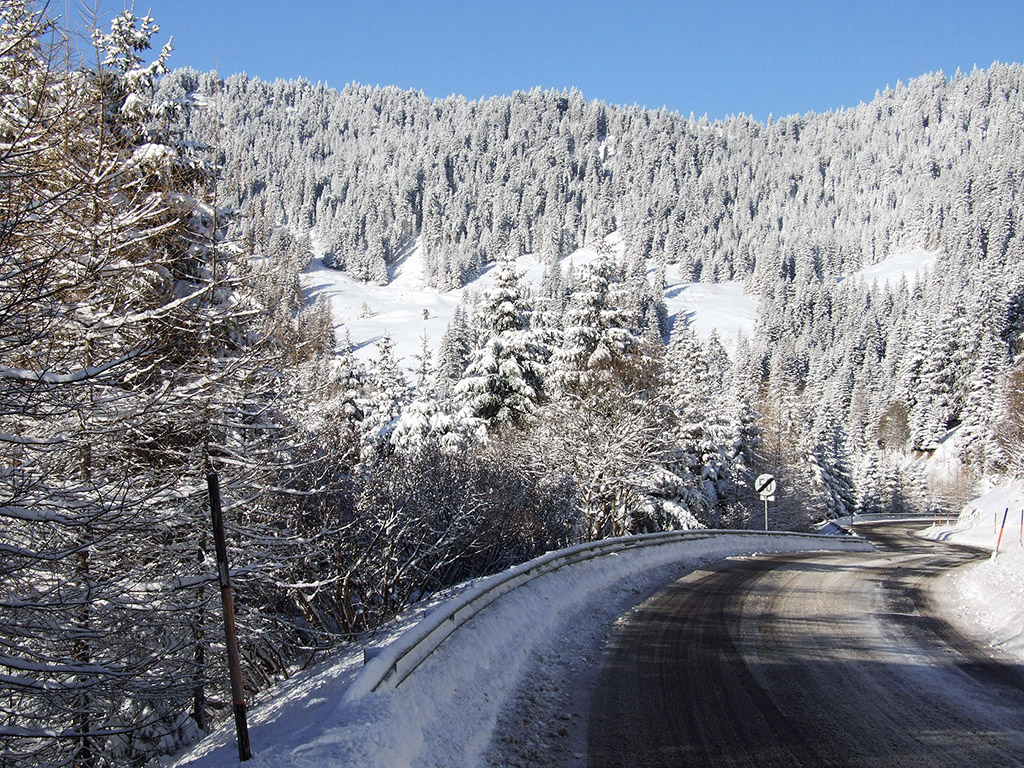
<point>715,58</point>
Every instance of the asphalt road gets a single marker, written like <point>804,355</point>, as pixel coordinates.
<point>811,660</point>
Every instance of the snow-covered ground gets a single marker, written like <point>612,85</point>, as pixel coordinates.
<point>406,309</point>
<point>403,309</point>
<point>708,307</point>
<point>449,711</point>
<point>904,264</point>
<point>988,598</point>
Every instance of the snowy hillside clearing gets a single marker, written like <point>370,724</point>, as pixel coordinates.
<point>406,309</point>
<point>902,265</point>
<point>988,598</point>
<point>448,711</point>
<point>709,307</point>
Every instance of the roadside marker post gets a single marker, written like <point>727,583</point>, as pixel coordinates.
<point>1003,526</point>
<point>766,485</point>
<point>230,631</point>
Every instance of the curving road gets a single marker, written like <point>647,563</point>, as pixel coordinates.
<point>811,660</point>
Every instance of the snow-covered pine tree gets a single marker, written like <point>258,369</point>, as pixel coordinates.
<point>144,358</point>
<point>425,425</point>
<point>454,352</point>
<point>696,400</point>
<point>503,383</point>
<point>387,393</point>
<point>830,473</point>
<point>981,410</point>
<point>599,344</point>
<point>90,392</point>
<point>1009,428</point>
<point>604,424</point>
<point>424,369</point>
<point>935,384</point>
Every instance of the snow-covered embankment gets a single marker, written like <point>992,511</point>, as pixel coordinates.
<point>988,599</point>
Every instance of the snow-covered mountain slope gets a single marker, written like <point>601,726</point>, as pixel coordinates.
<point>406,309</point>
<point>722,307</point>
<point>905,264</point>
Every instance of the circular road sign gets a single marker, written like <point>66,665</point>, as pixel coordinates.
<point>766,485</point>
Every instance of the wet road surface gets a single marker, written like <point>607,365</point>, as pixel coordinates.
<point>831,659</point>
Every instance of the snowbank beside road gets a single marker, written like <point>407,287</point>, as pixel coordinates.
<point>447,712</point>
<point>988,598</point>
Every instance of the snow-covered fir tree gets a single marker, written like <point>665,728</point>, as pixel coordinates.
<point>387,394</point>
<point>599,343</point>
<point>504,381</point>
<point>454,352</point>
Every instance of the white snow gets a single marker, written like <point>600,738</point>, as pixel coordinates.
<point>988,598</point>
<point>900,265</point>
<point>366,311</point>
<point>403,309</point>
<point>944,465</point>
<point>448,712</point>
<point>708,307</point>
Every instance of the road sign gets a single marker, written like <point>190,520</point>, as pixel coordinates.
<point>766,485</point>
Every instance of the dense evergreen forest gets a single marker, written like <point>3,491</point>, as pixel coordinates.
<point>846,377</point>
<point>154,227</point>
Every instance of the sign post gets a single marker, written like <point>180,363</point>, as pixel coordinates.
<point>766,485</point>
<point>231,634</point>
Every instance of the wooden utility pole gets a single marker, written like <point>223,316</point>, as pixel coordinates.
<point>234,658</point>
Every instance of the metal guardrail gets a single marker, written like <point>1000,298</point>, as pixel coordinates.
<point>397,661</point>
<point>883,517</point>
<point>846,523</point>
